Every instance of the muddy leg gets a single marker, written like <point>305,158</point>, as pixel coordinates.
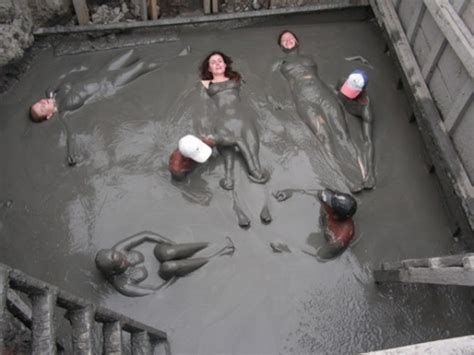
<point>128,74</point>
<point>368,149</point>
<point>255,173</point>
<point>121,61</point>
<point>244,221</point>
<point>227,182</point>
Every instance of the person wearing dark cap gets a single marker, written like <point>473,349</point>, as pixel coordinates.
<point>191,152</point>
<point>336,223</point>
<point>352,93</point>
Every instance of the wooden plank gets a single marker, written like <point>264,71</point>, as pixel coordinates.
<point>451,172</point>
<point>82,12</point>
<point>460,105</point>
<point>215,6</point>
<point>437,48</point>
<point>460,345</point>
<point>144,10</point>
<point>415,21</point>
<point>442,276</point>
<point>43,329</point>
<point>456,32</point>
<point>206,6</point>
<point>468,262</point>
<point>448,261</point>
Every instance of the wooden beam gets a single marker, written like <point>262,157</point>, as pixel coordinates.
<point>144,10</point>
<point>461,345</point>
<point>459,106</point>
<point>456,32</point>
<point>438,47</point>
<point>450,170</point>
<point>415,21</point>
<point>82,12</point>
<point>206,6</point>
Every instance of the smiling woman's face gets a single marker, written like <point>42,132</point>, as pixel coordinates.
<point>288,40</point>
<point>217,65</point>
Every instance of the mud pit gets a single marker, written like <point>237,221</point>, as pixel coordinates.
<point>256,301</point>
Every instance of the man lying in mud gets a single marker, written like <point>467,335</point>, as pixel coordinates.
<point>70,96</point>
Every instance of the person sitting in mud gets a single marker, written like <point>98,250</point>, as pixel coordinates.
<point>70,96</point>
<point>337,210</point>
<point>234,126</point>
<point>191,152</point>
<point>353,95</point>
<point>120,264</point>
<point>318,107</point>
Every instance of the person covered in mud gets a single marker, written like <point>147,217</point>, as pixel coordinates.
<point>191,152</point>
<point>122,264</point>
<point>337,210</point>
<point>233,126</point>
<point>352,92</point>
<point>318,107</point>
<point>69,96</point>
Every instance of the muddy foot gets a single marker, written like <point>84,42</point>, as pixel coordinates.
<point>226,184</point>
<point>283,195</point>
<point>369,183</point>
<point>265,215</point>
<point>259,177</point>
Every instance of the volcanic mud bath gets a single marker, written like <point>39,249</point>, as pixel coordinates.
<point>256,301</point>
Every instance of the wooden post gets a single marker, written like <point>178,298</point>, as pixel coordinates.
<point>153,10</point>
<point>144,10</point>
<point>215,6</point>
<point>82,12</point>
<point>206,6</point>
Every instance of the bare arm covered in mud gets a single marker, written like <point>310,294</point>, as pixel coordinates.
<point>277,93</point>
<point>140,238</point>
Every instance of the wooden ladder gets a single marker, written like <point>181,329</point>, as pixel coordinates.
<point>45,298</point>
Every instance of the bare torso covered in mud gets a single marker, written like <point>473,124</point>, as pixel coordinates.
<point>321,111</point>
<point>234,127</point>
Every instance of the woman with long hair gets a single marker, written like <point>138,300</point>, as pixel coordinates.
<point>233,124</point>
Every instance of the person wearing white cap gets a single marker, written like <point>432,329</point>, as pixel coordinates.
<point>318,107</point>
<point>353,95</point>
<point>191,152</point>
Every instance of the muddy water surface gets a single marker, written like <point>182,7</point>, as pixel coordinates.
<point>256,301</point>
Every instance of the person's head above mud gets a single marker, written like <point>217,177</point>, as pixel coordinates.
<point>43,109</point>
<point>288,41</point>
<point>218,67</point>
<point>111,262</point>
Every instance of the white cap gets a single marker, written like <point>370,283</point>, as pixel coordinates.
<point>194,148</point>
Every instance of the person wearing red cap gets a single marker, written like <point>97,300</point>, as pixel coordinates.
<point>191,152</point>
<point>352,93</point>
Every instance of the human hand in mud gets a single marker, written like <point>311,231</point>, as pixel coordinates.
<point>283,195</point>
